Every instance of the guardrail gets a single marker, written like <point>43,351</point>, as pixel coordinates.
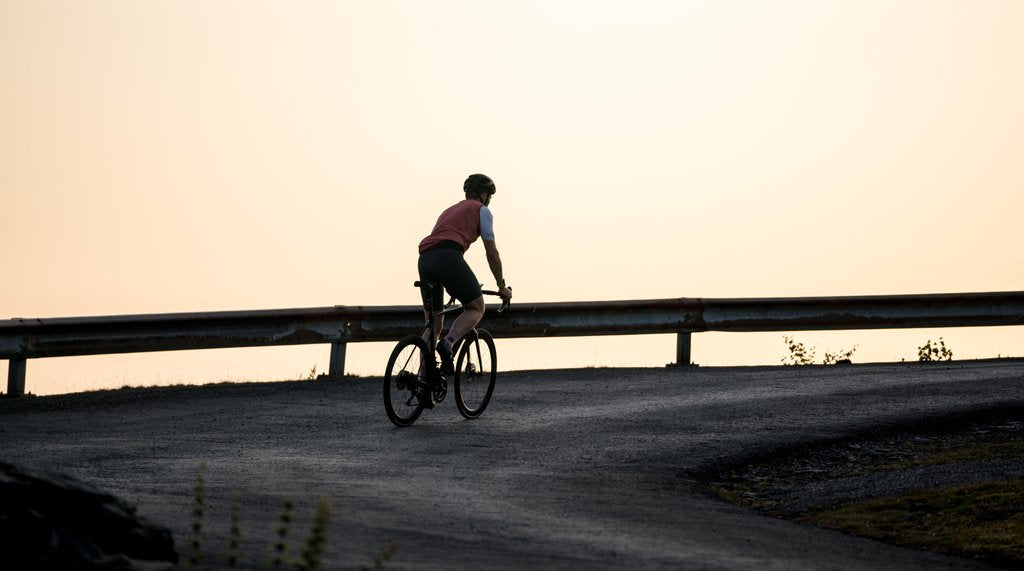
<point>24,339</point>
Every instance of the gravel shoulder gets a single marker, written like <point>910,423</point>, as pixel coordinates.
<point>988,446</point>
<point>948,486</point>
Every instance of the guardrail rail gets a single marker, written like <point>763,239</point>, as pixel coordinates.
<point>24,339</point>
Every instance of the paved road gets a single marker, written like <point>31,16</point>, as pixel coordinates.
<point>580,469</point>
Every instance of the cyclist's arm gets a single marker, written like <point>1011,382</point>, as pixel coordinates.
<point>493,258</point>
<point>494,261</point>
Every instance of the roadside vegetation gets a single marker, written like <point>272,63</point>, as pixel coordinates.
<point>977,520</point>
<point>801,354</point>
<point>934,351</point>
<point>281,553</point>
<point>984,521</point>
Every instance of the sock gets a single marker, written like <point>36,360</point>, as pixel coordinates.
<point>451,339</point>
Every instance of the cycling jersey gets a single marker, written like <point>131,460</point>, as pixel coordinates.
<point>461,223</point>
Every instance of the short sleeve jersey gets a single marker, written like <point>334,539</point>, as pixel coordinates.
<point>462,223</point>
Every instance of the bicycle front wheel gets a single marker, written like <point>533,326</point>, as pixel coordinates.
<point>403,382</point>
<point>475,373</point>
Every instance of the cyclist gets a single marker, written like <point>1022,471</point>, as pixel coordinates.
<point>441,262</point>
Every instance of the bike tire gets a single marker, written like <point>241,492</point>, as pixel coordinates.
<point>401,402</point>
<point>476,371</point>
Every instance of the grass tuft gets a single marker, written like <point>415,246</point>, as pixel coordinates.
<point>981,520</point>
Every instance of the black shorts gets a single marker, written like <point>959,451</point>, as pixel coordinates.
<point>447,267</point>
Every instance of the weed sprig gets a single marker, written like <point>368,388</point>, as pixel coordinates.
<point>280,557</point>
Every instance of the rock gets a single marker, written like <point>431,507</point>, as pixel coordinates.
<point>53,521</point>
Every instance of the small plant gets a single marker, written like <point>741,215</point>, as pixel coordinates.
<point>832,358</point>
<point>312,374</point>
<point>381,558</point>
<point>312,555</point>
<point>279,549</point>
<point>934,351</point>
<point>236,531</point>
<point>198,512</point>
<point>309,559</point>
<point>799,354</point>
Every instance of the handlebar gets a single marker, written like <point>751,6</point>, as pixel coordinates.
<point>505,303</point>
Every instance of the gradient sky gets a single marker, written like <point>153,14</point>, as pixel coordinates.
<point>172,156</point>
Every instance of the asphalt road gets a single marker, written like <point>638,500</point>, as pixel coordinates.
<point>579,469</point>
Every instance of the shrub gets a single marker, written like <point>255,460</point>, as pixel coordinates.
<point>934,351</point>
<point>799,354</point>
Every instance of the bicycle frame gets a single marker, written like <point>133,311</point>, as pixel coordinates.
<point>422,385</point>
<point>447,308</point>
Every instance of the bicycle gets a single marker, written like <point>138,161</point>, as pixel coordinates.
<point>413,374</point>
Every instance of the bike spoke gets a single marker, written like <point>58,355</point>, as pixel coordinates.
<point>405,366</point>
<point>475,377</point>
<point>401,397</point>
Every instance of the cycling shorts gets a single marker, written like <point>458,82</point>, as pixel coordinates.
<point>444,264</point>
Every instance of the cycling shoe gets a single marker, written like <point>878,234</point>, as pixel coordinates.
<point>426,397</point>
<point>445,352</point>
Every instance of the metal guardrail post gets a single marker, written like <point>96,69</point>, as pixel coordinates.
<point>16,378</point>
<point>683,357</point>
<point>337,366</point>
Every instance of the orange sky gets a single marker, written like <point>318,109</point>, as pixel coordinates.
<point>160,156</point>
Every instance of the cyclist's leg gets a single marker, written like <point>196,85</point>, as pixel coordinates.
<point>433,298</point>
<point>462,283</point>
<point>472,313</point>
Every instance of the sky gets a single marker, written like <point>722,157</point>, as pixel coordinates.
<point>164,156</point>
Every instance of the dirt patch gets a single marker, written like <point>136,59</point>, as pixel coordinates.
<point>951,487</point>
<point>984,521</point>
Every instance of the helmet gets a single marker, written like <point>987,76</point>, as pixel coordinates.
<point>476,184</point>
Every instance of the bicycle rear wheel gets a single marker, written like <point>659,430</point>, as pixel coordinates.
<point>402,385</point>
<point>475,373</point>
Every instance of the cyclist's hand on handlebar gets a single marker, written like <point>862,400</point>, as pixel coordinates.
<point>506,298</point>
